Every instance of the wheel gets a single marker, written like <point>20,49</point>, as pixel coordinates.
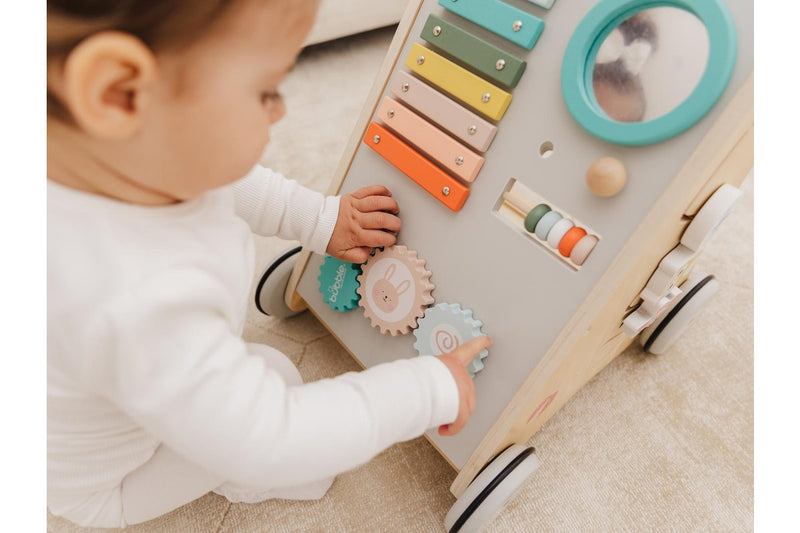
<point>272,286</point>
<point>491,490</point>
<point>695,293</point>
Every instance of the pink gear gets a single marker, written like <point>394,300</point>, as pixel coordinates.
<point>395,289</point>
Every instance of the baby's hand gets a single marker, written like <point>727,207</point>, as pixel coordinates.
<point>457,362</point>
<point>367,220</point>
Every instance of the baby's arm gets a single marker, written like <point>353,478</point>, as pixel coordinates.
<point>274,205</point>
<point>181,371</point>
<point>346,227</point>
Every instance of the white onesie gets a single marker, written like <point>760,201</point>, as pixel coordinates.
<point>145,312</point>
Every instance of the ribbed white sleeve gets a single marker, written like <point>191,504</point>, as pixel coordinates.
<point>274,205</point>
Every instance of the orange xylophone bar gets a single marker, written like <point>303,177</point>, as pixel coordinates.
<point>437,182</point>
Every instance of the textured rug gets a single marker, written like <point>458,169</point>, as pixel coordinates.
<point>652,443</point>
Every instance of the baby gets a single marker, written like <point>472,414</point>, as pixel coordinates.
<point>156,109</point>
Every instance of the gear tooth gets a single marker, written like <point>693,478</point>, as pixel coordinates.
<point>475,366</point>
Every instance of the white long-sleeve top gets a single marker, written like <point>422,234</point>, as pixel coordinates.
<point>146,306</point>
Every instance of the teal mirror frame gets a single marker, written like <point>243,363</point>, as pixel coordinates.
<point>579,58</point>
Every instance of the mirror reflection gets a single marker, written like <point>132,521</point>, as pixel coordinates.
<point>649,64</point>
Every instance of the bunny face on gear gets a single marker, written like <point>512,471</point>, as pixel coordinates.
<point>395,289</point>
<point>384,292</point>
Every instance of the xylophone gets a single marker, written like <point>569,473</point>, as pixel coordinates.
<point>559,167</point>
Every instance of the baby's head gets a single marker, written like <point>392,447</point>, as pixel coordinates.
<point>158,101</point>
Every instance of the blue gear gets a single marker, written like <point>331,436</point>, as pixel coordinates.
<point>445,327</point>
<point>338,283</point>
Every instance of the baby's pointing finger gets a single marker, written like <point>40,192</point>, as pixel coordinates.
<point>467,351</point>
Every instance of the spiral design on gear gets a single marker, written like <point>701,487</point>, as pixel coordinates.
<point>444,328</point>
<point>446,342</point>
<point>395,289</point>
<point>338,281</point>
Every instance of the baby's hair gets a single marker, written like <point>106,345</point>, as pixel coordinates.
<point>160,24</point>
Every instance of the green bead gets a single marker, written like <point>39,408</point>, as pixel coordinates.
<point>534,216</point>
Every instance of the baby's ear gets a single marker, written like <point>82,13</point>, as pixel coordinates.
<point>107,82</point>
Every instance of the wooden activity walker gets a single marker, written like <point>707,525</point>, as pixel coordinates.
<point>559,167</point>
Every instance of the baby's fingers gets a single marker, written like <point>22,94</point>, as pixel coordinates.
<point>448,430</point>
<point>469,350</point>
<point>356,255</point>
<point>458,424</point>
<point>375,238</point>
<point>371,190</point>
<point>377,203</point>
<point>378,220</point>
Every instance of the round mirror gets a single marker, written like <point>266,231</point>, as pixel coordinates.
<point>637,74</point>
<point>649,64</point>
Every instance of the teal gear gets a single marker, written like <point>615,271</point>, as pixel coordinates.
<point>338,284</point>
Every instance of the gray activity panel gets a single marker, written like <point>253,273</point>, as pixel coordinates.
<point>635,91</point>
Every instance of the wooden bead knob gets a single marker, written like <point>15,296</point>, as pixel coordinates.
<point>606,176</point>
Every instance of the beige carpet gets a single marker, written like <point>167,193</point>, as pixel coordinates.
<point>650,444</point>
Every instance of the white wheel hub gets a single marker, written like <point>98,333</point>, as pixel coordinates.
<point>491,490</point>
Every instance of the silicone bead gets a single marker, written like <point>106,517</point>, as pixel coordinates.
<point>569,240</point>
<point>534,216</point>
<point>582,249</point>
<point>558,231</point>
<point>546,224</point>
